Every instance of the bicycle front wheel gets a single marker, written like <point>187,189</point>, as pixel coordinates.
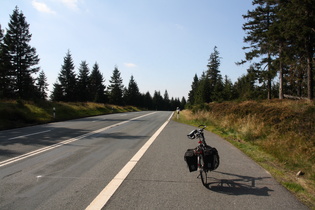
<point>203,171</point>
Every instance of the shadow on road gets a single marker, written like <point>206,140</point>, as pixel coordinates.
<point>239,185</point>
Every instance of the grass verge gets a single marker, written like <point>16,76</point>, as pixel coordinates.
<point>20,113</point>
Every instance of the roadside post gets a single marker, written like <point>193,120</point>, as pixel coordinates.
<point>54,112</point>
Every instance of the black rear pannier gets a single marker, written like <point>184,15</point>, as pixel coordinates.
<point>191,160</point>
<point>211,158</point>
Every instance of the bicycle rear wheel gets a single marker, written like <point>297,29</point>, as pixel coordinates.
<point>203,171</point>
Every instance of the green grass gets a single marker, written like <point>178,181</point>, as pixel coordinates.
<point>293,187</point>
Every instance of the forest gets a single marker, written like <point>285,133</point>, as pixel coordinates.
<point>279,44</point>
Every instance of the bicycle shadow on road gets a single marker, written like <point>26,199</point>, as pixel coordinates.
<point>242,185</point>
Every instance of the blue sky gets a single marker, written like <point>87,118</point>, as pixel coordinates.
<point>162,43</point>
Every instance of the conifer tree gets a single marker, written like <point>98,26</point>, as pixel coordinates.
<point>116,88</point>
<point>183,103</point>
<point>228,91</point>
<point>166,101</point>
<point>83,82</point>
<point>257,27</point>
<point>6,76</point>
<point>203,91</point>
<point>57,94</point>
<point>42,85</point>
<point>213,71</point>
<point>66,83</point>
<point>147,101</point>
<point>157,100</point>
<point>132,95</point>
<point>192,93</point>
<point>21,57</point>
<point>97,87</point>
<point>214,76</point>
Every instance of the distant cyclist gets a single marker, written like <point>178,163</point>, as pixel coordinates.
<point>177,112</point>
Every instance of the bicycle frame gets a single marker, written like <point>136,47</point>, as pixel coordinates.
<point>199,151</point>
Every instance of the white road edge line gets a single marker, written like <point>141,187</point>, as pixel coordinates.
<point>31,134</point>
<point>100,201</point>
<point>44,149</point>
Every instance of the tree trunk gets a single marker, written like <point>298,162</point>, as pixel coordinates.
<point>310,84</point>
<point>280,76</point>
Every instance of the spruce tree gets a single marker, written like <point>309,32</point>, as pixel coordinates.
<point>5,76</point>
<point>22,58</point>
<point>203,91</point>
<point>83,82</point>
<point>132,95</point>
<point>96,86</point>
<point>214,76</point>
<point>192,93</point>
<point>166,101</point>
<point>66,81</point>
<point>57,94</point>
<point>228,90</point>
<point>183,103</point>
<point>157,100</point>
<point>42,85</point>
<point>116,88</point>
<point>147,101</point>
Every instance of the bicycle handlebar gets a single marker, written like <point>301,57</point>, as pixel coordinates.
<point>196,133</point>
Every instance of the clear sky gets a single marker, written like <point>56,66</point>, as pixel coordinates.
<point>162,43</point>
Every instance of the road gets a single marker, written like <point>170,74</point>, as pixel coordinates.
<point>75,161</point>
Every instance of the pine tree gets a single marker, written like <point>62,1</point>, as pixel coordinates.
<point>183,103</point>
<point>42,85</point>
<point>147,101</point>
<point>116,88</point>
<point>57,93</point>
<point>66,81</point>
<point>260,21</point>
<point>83,82</point>
<point>228,90</point>
<point>97,87</point>
<point>214,76</point>
<point>6,79</point>
<point>157,100</point>
<point>203,92</point>
<point>213,71</point>
<point>132,95</point>
<point>192,93</point>
<point>217,93</point>
<point>245,85</point>
<point>298,26</point>
<point>21,56</point>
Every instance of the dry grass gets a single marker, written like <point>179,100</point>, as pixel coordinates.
<point>23,113</point>
<point>281,134</point>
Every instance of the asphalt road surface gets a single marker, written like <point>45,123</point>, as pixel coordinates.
<point>69,165</point>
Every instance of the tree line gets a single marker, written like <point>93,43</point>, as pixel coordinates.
<point>89,86</point>
<point>281,43</point>
<point>19,63</point>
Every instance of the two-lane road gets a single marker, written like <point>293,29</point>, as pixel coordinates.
<point>65,165</point>
<point>75,164</point>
